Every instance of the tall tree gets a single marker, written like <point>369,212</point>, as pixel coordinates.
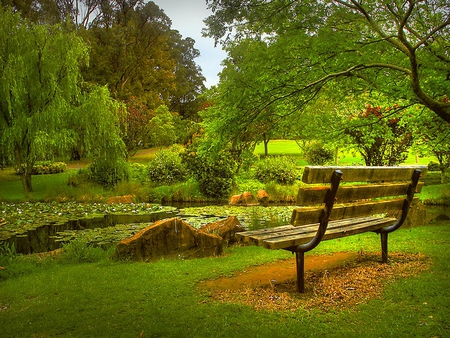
<point>189,81</point>
<point>132,56</point>
<point>397,47</point>
<point>44,111</point>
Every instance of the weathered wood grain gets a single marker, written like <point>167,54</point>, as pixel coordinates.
<point>349,193</point>
<point>313,174</point>
<point>290,237</point>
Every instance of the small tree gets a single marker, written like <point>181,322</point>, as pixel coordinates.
<point>162,127</point>
<point>380,136</point>
<point>135,124</point>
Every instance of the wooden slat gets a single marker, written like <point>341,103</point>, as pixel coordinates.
<point>290,241</point>
<point>302,216</point>
<point>254,237</point>
<point>348,193</point>
<point>314,174</point>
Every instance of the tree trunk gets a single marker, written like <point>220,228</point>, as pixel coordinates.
<point>25,177</point>
<point>23,168</point>
<point>443,175</point>
<point>266,143</point>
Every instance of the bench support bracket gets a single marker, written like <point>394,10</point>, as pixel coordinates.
<point>323,224</point>
<point>406,206</point>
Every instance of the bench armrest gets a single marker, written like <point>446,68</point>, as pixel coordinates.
<point>406,204</point>
<point>325,216</point>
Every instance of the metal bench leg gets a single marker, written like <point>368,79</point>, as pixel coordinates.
<point>384,247</point>
<point>300,256</point>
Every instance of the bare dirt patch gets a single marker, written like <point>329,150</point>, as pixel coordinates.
<point>337,281</point>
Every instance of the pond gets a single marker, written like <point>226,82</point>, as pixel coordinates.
<point>40,227</point>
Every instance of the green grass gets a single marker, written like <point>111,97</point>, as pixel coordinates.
<point>116,299</point>
<point>54,187</point>
<point>290,148</point>
<point>46,187</point>
<point>436,194</point>
<point>279,147</point>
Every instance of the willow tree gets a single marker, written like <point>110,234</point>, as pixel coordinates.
<point>44,111</point>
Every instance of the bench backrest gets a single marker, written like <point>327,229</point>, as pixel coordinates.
<point>380,190</point>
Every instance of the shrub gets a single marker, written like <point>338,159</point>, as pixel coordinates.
<point>247,159</point>
<point>317,154</point>
<point>167,167</point>
<point>138,172</point>
<point>433,166</point>
<point>282,170</point>
<point>80,251</point>
<point>48,167</point>
<point>108,172</point>
<point>14,264</point>
<point>214,174</point>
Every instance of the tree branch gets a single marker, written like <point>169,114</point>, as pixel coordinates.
<point>438,28</point>
<point>358,7</point>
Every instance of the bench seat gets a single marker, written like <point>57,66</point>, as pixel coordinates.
<point>288,236</point>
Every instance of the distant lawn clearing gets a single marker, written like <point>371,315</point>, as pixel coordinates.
<point>291,148</point>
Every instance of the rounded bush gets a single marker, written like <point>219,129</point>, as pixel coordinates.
<point>282,170</point>
<point>317,154</point>
<point>48,167</point>
<point>108,172</point>
<point>214,174</point>
<point>433,166</point>
<point>167,167</point>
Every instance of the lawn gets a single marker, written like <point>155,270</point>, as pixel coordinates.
<point>83,293</point>
<point>291,148</point>
<point>59,297</point>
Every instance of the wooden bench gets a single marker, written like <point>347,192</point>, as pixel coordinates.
<point>379,202</point>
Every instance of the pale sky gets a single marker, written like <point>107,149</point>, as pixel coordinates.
<point>187,17</point>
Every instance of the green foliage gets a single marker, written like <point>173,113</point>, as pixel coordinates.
<point>247,159</point>
<point>167,166</point>
<point>13,264</point>
<point>381,135</point>
<point>47,111</point>
<point>80,251</point>
<point>162,128</point>
<point>281,169</point>
<point>317,154</point>
<point>432,136</point>
<point>108,172</point>
<point>213,172</point>
<point>135,124</point>
<point>433,166</point>
<point>37,105</point>
<point>184,192</point>
<point>347,47</point>
<point>48,167</point>
<point>436,194</point>
<point>246,184</point>
<point>138,172</point>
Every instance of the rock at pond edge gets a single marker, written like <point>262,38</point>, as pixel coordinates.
<point>169,237</point>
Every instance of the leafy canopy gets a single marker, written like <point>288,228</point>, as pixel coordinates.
<point>397,48</point>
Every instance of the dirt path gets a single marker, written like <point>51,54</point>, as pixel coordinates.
<point>338,281</point>
<point>276,273</point>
